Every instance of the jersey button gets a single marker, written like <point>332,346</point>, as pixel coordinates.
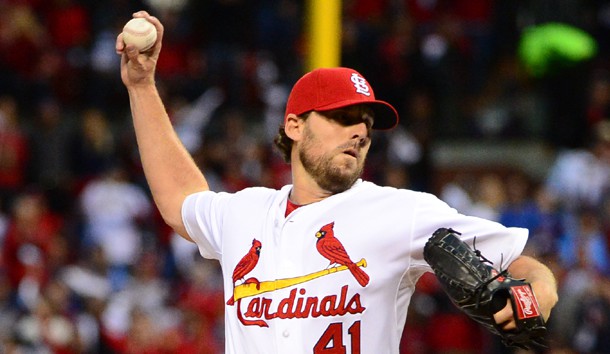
<point>286,334</point>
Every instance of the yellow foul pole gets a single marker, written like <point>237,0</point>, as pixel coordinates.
<point>323,33</point>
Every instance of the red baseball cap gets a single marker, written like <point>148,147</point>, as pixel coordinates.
<point>325,89</point>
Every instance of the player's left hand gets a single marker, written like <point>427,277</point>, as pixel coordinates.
<point>139,68</point>
<point>546,297</point>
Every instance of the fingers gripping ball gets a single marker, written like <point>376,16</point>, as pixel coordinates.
<point>141,33</point>
<point>480,290</point>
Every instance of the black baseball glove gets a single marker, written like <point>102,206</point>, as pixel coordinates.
<point>479,290</point>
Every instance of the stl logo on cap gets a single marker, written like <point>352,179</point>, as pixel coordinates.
<point>360,84</point>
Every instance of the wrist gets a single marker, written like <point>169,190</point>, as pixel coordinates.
<point>546,295</point>
<point>148,82</point>
<point>142,88</point>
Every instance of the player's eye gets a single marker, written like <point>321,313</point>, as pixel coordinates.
<point>344,118</point>
<point>368,120</point>
<point>352,115</point>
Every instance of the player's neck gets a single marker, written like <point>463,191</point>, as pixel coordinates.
<point>305,194</point>
<point>305,190</point>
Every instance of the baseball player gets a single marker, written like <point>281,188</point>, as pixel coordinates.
<point>327,264</point>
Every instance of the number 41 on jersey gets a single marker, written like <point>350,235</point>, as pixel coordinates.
<point>331,341</point>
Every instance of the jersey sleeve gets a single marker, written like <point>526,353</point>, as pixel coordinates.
<point>498,243</point>
<point>202,215</point>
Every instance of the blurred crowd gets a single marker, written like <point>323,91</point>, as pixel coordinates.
<point>88,266</point>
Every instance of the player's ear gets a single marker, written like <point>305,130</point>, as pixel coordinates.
<point>294,127</point>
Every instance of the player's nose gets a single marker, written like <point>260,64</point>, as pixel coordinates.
<point>359,132</point>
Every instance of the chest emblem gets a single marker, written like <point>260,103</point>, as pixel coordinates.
<point>331,248</point>
<point>262,308</point>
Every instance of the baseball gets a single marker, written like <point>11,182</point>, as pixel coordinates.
<point>141,33</point>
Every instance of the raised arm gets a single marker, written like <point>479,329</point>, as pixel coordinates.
<point>170,171</point>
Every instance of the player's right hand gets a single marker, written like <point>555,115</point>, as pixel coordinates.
<point>139,68</point>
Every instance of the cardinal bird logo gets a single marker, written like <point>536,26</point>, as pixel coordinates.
<point>331,248</point>
<point>245,266</point>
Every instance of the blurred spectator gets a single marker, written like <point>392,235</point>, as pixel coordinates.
<point>190,119</point>
<point>579,177</point>
<point>423,115</point>
<point>114,209</point>
<point>489,197</point>
<point>68,23</point>
<point>202,303</point>
<point>89,283</point>
<point>396,176</point>
<point>93,146</point>
<point>50,143</point>
<point>598,108</point>
<point>30,245</point>
<point>197,335</point>
<point>593,322</point>
<point>202,292</point>
<point>458,192</point>
<point>584,244</point>
<point>174,68</point>
<point>582,317</point>
<point>543,240</point>
<point>520,209</point>
<point>144,335</point>
<point>397,53</point>
<point>46,329</point>
<point>22,41</point>
<point>500,110</point>
<point>14,152</point>
<point>138,315</point>
<point>235,153</point>
<point>576,283</point>
<point>103,63</point>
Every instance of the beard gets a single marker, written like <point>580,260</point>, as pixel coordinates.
<point>328,175</point>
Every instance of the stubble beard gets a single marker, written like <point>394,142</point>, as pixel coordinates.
<point>330,177</point>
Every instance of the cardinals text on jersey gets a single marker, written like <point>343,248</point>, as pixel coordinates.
<point>297,305</point>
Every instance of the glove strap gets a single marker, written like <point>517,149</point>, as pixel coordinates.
<point>525,303</point>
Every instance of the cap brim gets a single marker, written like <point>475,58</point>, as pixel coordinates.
<point>386,116</point>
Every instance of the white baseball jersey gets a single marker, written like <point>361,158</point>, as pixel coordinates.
<point>299,284</point>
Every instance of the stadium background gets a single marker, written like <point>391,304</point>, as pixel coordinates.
<point>86,264</point>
